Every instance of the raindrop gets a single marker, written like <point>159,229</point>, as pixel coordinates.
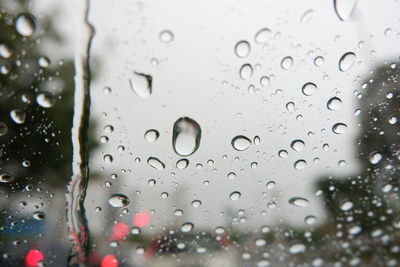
<point>187,227</point>
<point>44,62</point>
<point>45,100</point>
<point>264,80</point>
<point>242,49</point>
<point>6,178</point>
<point>18,116</point>
<point>135,230</point>
<point>151,135</point>
<point>319,61</point>
<point>108,129</point>
<point>392,120</point>
<point>334,103</point>
<point>310,220</point>
<point>287,63</point>
<point>347,61</point>
<point>309,89</point>
<point>307,16</point>
<point>182,164</point>
<point>297,145</point>
<point>231,175</point>
<point>38,215</point>
<point>339,128</point>
<point>375,157</point>
<point>241,142</point>
<point>3,129</point>
<point>246,71</point>
<point>178,212</point>
<point>355,230</point>
<point>186,136</point>
<point>166,36</point>
<point>283,153</point>
<point>108,158</point>
<point>6,51</point>
<point>270,184</point>
<point>259,242</point>
<point>156,163</point>
<point>118,200</point>
<point>219,230</point>
<point>344,8</point>
<point>262,35</point>
<point>141,84</point>
<point>346,205</point>
<point>296,248</point>
<point>25,24</point>
<point>290,106</point>
<point>300,164</point>
<point>298,201</point>
<point>196,203</point>
<point>235,195</point>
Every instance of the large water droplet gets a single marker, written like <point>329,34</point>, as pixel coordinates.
<point>297,145</point>
<point>6,178</point>
<point>309,89</point>
<point>235,195</point>
<point>298,201</point>
<point>156,163</point>
<point>246,71</point>
<point>287,63</point>
<point>242,49</point>
<point>334,103</point>
<point>241,142</point>
<point>347,61</point>
<point>262,35</point>
<point>141,84</point>
<point>118,200</point>
<point>151,135</point>
<point>18,116</point>
<point>375,157</point>
<point>25,24</point>
<point>186,136</point>
<point>187,227</point>
<point>344,8</point>
<point>339,128</point>
<point>45,100</point>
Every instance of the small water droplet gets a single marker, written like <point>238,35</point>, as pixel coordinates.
<point>25,24</point>
<point>339,128</point>
<point>347,61</point>
<point>242,49</point>
<point>287,63</point>
<point>186,136</point>
<point>355,230</point>
<point>241,142</point>
<point>310,220</point>
<point>300,164</point>
<point>156,163</point>
<point>290,106</point>
<point>319,61</point>
<point>135,230</point>
<point>235,195</point>
<point>182,164</point>
<point>118,200</point>
<point>309,89</point>
<point>392,120</point>
<point>3,129</point>
<point>297,145</point>
<point>178,212</point>
<point>344,8</point>
<point>108,158</point>
<point>18,116</point>
<point>261,37</point>
<point>375,157</point>
<point>45,100</point>
<point>256,140</point>
<point>151,135</point>
<point>283,153</point>
<point>259,242</point>
<point>264,81</point>
<point>141,84</point>
<point>6,51</point>
<point>334,103</point>
<point>298,201</point>
<point>246,71</point>
<point>187,227</point>
<point>166,36</point>
<point>196,203</point>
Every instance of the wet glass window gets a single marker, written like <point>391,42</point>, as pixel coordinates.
<point>199,133</point>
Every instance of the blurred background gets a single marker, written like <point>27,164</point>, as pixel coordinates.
<point>212,133</point>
